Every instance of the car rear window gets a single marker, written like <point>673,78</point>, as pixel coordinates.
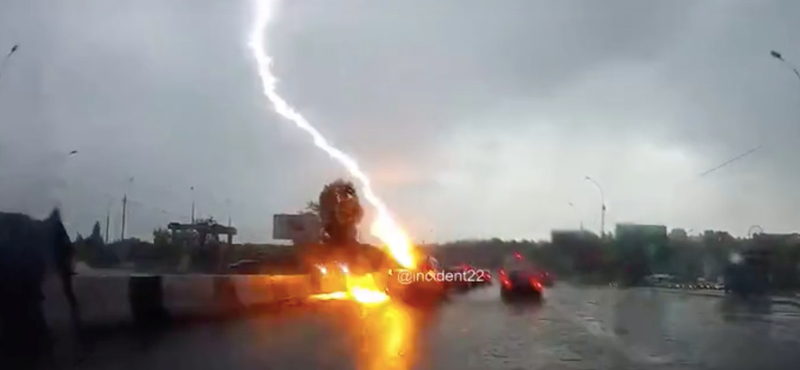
<point>517,275</point>
<point>515,264</point>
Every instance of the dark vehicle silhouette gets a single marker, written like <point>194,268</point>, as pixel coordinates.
<point>521,283</point>
<point>478,277</point>
<point>459,275</point>
<point>419,290</point>
<point>545,278</point>
<point>520,279</point>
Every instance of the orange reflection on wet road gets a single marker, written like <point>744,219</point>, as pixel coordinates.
<point>386,337</point>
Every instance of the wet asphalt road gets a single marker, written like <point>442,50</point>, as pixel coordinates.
<point>574,328</point>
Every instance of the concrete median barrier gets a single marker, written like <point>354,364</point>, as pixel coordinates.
<point>101,300</point>
<point>265,289</point>
<point>118,299</point>
<point>146,298</point>
<point>190,295</point>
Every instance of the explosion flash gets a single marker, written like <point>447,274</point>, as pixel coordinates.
<point>384,227</point>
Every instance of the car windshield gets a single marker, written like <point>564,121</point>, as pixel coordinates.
<point>515,264</point>
<point>399,184</point>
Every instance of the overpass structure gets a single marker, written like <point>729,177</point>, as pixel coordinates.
<point>208,235</point>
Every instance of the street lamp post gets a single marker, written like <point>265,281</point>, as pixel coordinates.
<point>125,208</point>
<point>5,60</point>
<point>228,203</point>
<point>602,207</point>
<point>192,189</point>
<point>108,217</point>
<point>780,57</point>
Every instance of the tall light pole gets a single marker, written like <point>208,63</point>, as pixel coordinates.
<point>192,189</point>
<point>125,208</point>
<point>228,203</point>
<point>602,207</point>
<point>108,216</point>
<point>578,214</point>
<point>779,56</point>
<point>8,56</point>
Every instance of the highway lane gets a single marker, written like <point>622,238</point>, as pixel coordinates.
<point>575,328</point>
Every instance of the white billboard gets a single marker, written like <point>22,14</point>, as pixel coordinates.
<point>299,228</point>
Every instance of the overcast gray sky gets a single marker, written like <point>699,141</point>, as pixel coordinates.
<point>475,118</point>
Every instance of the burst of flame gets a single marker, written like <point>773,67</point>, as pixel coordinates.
<point>362,289</point>
<point>330,296</point>
<point>384,227</point>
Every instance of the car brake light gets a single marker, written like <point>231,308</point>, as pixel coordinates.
<point>536,284</point>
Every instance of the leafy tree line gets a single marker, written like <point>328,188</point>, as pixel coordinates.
<point>93,250</point>
<point>585,257</point>
<point>595,260</point>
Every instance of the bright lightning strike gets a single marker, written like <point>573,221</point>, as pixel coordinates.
<point>384,227</point>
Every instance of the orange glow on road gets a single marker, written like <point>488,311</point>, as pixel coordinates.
<point>392,348</point>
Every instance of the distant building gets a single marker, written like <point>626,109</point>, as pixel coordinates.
<point>637,245</point>
<point>628,230</point>
<point>303,228</point>
<point>781,255</point>
<point>583,248</point>
<point>566,236</point>
<point>678,234</point>
<point>764,240</point>
<point>712,236</point>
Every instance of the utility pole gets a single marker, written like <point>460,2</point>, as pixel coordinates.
<point>192,188</point>
<point>108,219</point>
<point>228,203</point>
<point>603,222</point>
<point>124,209</point>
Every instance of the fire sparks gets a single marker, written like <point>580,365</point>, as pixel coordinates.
<point>362,289</point>
<point>384,227</point>
<point>330,296</point>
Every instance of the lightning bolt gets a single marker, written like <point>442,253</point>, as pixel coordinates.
<point>384,227</point>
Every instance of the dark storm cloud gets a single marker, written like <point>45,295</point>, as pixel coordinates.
<point>475,118</point>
